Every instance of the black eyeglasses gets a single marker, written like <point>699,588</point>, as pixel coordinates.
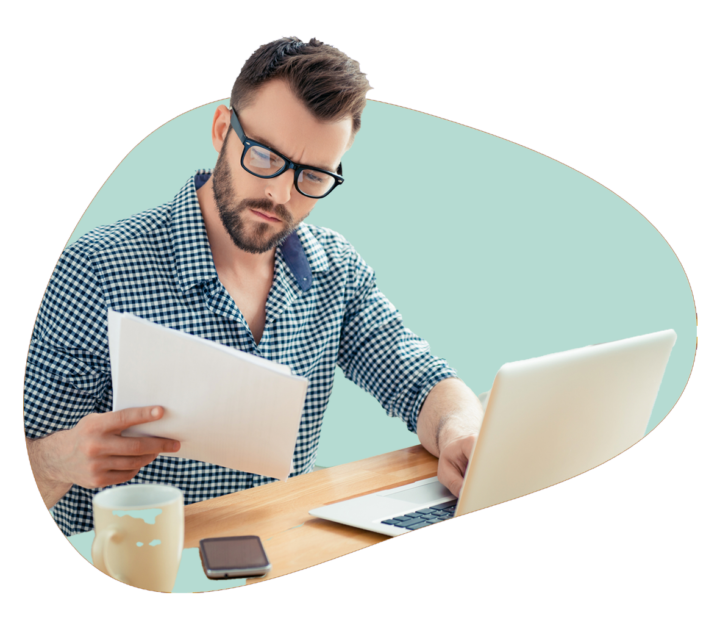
<point>263,162</point>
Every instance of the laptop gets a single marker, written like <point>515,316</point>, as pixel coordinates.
<point>547,419</point>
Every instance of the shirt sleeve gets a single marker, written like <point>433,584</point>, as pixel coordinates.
<point>68,372</point>
<point>379,354</point>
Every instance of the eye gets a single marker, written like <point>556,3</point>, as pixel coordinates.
<point>314,177</point>
<point>262,161</point>
<point>259,154</point>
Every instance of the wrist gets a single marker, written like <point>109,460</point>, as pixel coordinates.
<point>452,428</point>
<point>45,466</point>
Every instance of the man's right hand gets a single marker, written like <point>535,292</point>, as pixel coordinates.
<point>93,454</point>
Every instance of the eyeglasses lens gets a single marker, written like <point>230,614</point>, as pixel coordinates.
<point>263,162</point>
<point>315,183</point>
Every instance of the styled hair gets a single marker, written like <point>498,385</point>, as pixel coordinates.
<point>327,81</point>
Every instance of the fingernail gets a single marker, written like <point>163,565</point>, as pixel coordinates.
<point>155,412</point>
<point>176,446</point>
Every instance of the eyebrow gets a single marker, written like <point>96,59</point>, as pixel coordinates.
<point>267,144</point>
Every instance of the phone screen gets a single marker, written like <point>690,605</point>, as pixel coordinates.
<point>234,553</point>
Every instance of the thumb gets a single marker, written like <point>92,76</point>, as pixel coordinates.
<point>118,421</point>
<point>450,476</point>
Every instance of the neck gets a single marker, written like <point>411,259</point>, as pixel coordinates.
<point>228,258</point>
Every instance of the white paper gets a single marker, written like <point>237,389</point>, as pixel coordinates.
<point>225,406</point>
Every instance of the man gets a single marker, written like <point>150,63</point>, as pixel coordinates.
<point>231,260</point>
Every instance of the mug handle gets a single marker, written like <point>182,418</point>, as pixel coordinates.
<point>98,551</point>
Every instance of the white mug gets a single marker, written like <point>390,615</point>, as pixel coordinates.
<point>139,534</point>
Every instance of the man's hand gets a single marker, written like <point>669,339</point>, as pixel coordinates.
<point>448,425</point>
<point>453,462</point>
<point>93,454</point>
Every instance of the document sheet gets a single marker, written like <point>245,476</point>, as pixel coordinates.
<point>225,406</point>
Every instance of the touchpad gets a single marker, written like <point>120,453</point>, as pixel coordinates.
<point>421,494</point>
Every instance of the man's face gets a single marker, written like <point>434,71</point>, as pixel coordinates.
<point>259,213</point>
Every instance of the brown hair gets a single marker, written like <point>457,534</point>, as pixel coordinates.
<point>327,81</point>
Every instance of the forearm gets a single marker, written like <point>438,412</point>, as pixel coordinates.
<point>43,455</point>
<point>450,411</point>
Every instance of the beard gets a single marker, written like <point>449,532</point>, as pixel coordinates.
<point>248,236</point>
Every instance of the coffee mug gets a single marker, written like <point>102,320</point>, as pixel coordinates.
<point>139,534</point>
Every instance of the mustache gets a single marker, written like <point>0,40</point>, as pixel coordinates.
<point>266,206</point>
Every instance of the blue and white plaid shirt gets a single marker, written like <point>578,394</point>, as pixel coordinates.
<point>323,310</point>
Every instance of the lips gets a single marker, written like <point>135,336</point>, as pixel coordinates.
<point>265,216</point>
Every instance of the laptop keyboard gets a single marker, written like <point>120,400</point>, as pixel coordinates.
<point>423,517</point>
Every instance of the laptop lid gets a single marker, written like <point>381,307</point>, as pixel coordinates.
<point>553,417</point>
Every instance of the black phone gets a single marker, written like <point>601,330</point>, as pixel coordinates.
<point>234,557</point>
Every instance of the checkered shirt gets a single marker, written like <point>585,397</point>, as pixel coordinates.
<point>323,310</point>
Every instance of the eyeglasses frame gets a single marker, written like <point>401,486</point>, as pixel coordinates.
<point>289,165</point>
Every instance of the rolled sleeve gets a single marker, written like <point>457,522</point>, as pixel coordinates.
<point>67,374</point>
<point>383,357</point>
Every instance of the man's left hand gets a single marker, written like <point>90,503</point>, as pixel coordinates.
<point>448,425</point>
<point>453,461</point>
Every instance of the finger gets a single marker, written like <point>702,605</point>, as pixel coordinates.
<point>127,463</point>
<point>104,473</point>
<point>107,478</point>
<point>467,446</point>
<point>449,476</point>
<point>117,477</point>
<point>117,421</point>
<point>139,446</point>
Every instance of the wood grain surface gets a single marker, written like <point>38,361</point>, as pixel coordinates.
<point>278,512</point>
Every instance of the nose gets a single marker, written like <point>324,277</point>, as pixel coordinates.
<point>279,189</point>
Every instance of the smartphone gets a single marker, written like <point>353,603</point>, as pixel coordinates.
<point>234,557</point>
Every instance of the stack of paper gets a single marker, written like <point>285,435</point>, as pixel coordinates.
<point>225,406</point>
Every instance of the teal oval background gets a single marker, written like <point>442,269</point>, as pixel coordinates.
<point>491,251</point>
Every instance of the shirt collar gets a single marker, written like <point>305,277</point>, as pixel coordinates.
<point>194,264</point>
<point>311,248</point>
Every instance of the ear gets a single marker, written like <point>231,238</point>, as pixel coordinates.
<point>220,126</point>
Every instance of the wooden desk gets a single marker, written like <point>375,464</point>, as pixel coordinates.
<point>278,512</point>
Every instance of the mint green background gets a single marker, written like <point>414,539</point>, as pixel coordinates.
<point>147,515</point>
<point>492,252</point>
